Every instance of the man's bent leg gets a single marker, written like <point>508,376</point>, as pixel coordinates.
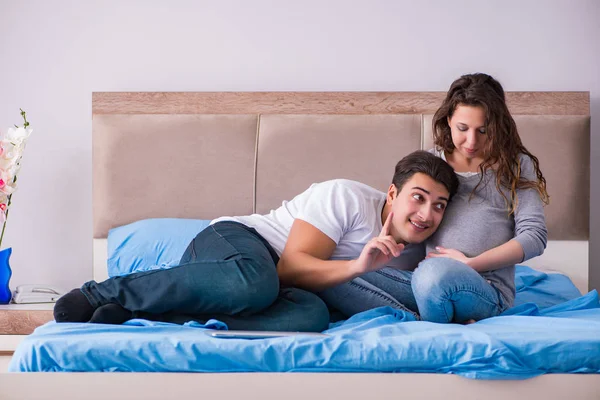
<point>294,310</point>
<point>360,294</point>
<point>232,272</point>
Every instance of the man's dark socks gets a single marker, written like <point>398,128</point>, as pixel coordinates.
<point>73,307</point>
<point>111,314</point>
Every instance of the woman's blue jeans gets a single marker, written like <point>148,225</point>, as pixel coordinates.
<point>439,290</point>
<point>228,272</point>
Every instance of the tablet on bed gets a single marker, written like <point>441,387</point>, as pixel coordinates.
<point>258,334</point>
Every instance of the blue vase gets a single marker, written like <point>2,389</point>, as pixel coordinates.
<point>5,274</point>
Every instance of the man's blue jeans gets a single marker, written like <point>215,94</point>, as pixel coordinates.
<point>228,272</point>
<point>439,290</point>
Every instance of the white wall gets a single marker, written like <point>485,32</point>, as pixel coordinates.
<point>54,54</point>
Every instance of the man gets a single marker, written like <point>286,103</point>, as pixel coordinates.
<point>231,271</point>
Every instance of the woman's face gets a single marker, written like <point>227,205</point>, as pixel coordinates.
<point>469,136</point>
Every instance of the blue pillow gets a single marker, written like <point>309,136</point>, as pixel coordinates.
<point>150,244</point>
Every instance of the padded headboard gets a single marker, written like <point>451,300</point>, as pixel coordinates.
<point>204,155</point>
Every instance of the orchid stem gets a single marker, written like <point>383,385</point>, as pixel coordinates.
<point>5,219</point>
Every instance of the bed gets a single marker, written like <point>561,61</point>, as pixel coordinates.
<point>178,155</point>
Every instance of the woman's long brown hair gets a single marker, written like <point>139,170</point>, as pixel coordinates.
<point>503,146</point>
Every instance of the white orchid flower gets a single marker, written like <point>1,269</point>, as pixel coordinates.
<point>11,151</point>
<point>13,169</point>
<point>19,135</point>
<point>10,157</point>
<point>10,166</point>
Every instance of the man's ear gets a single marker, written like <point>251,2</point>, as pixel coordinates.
<point>391,194</point>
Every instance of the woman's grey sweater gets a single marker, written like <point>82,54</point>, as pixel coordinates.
<point>475,223</point>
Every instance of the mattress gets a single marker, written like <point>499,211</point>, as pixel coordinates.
<point>552,328</point>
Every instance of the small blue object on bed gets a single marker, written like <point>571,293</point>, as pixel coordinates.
<point>551,329</point>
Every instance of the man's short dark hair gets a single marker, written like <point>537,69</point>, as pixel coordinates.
<point>428,164</point>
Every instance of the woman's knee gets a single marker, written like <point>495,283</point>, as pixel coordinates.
<point>448,290</point>
<point>436,274</point>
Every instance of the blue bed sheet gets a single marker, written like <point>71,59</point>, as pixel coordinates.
<point>551,329</point>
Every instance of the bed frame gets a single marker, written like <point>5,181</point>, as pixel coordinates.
<point>181,154</point>
<point>204,155</point>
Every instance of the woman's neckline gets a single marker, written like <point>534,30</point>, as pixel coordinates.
<point>468,172</point>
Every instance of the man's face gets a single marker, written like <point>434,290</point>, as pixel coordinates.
<point>418,208</point>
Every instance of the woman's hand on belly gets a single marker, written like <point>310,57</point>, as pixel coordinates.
<point>450,253</point>
<point>507,254</point>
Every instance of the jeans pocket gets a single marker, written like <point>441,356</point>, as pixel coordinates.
<point>215,246</point>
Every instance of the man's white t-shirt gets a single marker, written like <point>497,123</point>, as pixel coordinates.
<point>347,211</point>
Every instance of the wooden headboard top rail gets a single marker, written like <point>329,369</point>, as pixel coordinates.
<point>520,103</point>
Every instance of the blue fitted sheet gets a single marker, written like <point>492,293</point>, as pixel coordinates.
<point>551,329</point>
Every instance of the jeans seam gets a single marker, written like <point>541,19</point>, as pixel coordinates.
<point>90,297</point>
<point>392,277</point>
<point>194,255</point>
<point>480,295</point>
<point>225,239</point>
<point>390,299</point>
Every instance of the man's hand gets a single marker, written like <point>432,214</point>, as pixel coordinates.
<point>378,252</point>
